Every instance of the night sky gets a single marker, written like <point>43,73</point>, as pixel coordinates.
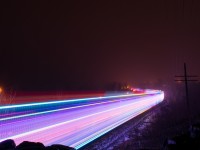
<point>77,45</point>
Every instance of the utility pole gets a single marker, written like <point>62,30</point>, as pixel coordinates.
<point>186,79</point>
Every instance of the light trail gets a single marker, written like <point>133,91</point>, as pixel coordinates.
<point>73,122</point>
<point>65,101</point>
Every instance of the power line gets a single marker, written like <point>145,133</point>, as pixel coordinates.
<point>186,79</point>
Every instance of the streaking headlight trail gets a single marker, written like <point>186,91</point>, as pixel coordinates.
<point>73,122</point>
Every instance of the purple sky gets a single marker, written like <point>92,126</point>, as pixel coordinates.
<point>77,44</point>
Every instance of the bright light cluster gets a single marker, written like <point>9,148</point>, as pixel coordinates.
<point>72,122</point>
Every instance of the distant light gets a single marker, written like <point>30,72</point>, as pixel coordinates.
<point>1,90</point>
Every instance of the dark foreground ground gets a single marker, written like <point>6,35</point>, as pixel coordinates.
<point>26,145</point>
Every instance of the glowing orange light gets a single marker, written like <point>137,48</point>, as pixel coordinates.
<point>1,90</point>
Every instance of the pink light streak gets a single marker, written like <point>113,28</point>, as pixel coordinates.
<point>71,125</point>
